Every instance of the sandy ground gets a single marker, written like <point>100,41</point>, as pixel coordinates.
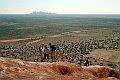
<point>14,40</point>
<point>106,55</point>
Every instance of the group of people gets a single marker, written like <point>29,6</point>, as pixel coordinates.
<point>47,51</point>
<point>68,51</point>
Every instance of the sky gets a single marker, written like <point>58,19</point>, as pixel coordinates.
<point>60,6</point>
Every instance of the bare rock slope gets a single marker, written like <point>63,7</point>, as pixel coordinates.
<point>14,69</point>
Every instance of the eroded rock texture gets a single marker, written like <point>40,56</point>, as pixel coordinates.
<point>14,69</point>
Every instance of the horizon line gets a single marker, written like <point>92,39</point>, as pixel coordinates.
<point>67,13</point>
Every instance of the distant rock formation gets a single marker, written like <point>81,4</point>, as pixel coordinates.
<point>41,13</point>
<point>15,69</point>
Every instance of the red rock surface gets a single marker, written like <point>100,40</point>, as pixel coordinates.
<point>14,69</point>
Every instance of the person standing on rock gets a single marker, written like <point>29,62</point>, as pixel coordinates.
<point>41,49</point>
<point>52,52</point>
<point>46,51</point>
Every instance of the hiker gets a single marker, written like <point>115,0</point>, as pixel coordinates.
<point>46,51</point>
<point>52,52</point>
<point>41,49</point>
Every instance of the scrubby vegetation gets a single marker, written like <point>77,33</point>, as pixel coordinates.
<point>22,26</point>
<point>74,52</point>
<point>77,36</point>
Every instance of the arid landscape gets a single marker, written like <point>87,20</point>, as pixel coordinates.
<point>91,47</point>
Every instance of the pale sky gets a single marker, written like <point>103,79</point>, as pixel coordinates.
<point>60,6</point>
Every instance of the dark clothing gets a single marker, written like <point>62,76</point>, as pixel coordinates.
<point>46,56</point>
<point>53,55</point>
<point>53,48</point>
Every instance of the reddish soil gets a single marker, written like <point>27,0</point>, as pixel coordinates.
<point>14,69</point>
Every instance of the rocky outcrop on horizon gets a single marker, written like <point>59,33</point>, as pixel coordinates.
<point>15,69</point>
<point>41,13</point>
